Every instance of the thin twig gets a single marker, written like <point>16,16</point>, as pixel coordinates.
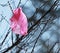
<point>12,37</point>
<point>4,19</point>
<point>5,37</point>
<point>19,3</point>
<point>10,7</point>
<point>52,47</point>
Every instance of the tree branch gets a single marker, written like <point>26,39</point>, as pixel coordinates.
<point>19,40</point>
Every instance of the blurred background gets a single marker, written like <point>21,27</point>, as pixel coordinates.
<point>43,23</point>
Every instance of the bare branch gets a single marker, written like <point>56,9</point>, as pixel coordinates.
<point>19,40</point>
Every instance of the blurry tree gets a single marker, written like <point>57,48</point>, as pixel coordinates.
<point>43,23</point>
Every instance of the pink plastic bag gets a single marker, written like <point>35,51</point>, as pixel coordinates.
<point>19,24</point>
